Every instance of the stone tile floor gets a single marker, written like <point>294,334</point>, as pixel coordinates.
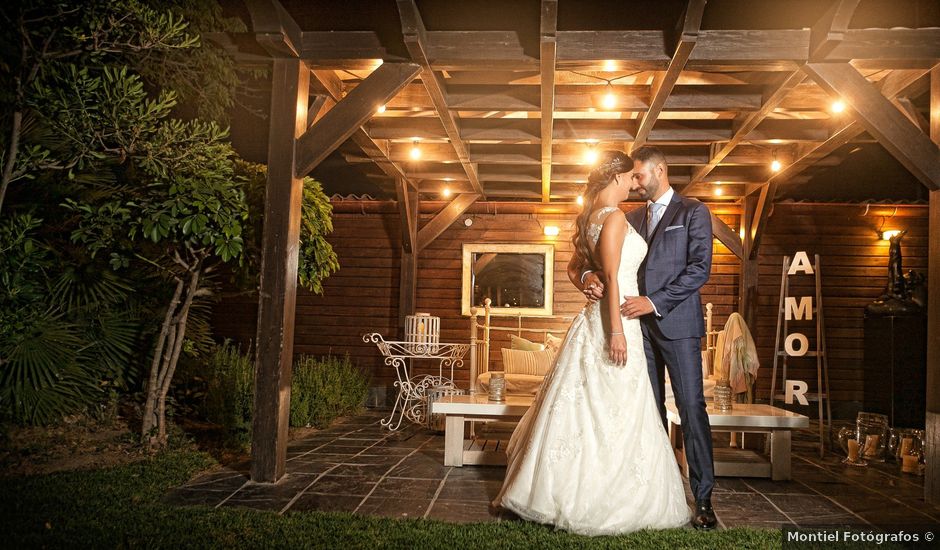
<point>358,466</point>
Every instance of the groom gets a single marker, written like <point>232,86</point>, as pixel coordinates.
<point>679,234</point>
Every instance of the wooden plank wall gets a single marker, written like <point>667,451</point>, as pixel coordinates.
<point>363,296</point>
<point>854,272</point>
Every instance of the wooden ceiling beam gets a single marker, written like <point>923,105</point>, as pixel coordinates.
<point>547,49</point>
<point>274,29</point>
<point>727,236</point>
<point>350,113</point>
<point>830,30</point>
<point>327,81</point>
<point>906,142</point>
<point>414,35</point>
<point>440,222</point>
<point>749,123</point>
<point>689,27</point>
<point>895,84</point>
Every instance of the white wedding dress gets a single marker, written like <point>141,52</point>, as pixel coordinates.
<point>591,455</point>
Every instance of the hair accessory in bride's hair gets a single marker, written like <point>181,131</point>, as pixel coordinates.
<point>610,164</point>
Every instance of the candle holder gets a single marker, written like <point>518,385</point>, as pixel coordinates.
<point>497,386</point>
<point>872,435</point>
<point>723,395</point>
<point>905,441</point>
<point>848,440</point>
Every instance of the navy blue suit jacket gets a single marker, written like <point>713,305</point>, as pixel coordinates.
<point>677,265</point>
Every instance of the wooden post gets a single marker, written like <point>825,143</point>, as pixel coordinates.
<point>747,288</point>
<point>408,277</point>
<point>932,481</point>
<point>281,238</point>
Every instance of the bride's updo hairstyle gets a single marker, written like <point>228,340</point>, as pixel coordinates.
<point>610,164</point>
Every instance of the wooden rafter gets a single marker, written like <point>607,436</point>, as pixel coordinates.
<point>351,113</point>
<point>895,84</point>
<point>663,84</point>
<point>274,28</point>
<point>749,123</point>
<point>830,30</point>
<point>374,151</point>
<point>440,222</point>
<point>547,47</point>
<point>906,142</point>
<point>414,33</point>
<point>728,237</point>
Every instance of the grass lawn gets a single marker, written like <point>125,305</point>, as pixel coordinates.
<point>121,507</point>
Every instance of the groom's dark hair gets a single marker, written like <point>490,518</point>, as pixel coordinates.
<point>649,153</point>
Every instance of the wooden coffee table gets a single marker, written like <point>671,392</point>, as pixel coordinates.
<point>459,409</point>
<point>777,423</point>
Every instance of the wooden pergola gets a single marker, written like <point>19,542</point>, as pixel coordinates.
<point>512,114</point>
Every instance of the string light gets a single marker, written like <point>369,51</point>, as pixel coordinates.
<point>610,99</point>
<point>415,152</point>
<point>718,190</point>
<point>610,65</point>
<point>580,200</point>
<point>838,106</point>
<point>551,230</point>
<point>445,192</point>
<point>591,155</point>
<point>381,109</point>
<point>775,164</point>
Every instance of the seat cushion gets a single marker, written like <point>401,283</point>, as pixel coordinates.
<point>518,384</point>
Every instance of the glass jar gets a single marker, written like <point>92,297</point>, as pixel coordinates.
<point>905,441</point>
<point>848,440</point>
<point>872,435</point>
<point>497,386</point>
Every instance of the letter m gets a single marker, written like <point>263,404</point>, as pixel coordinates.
<point>803,311</point>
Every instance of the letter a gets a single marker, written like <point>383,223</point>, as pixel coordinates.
<point>800,263</point>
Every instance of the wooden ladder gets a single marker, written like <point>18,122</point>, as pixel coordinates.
<point>822,392</point>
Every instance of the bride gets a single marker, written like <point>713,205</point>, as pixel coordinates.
<point>591,456</point>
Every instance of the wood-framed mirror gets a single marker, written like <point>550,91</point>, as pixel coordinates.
<point>517,278</point>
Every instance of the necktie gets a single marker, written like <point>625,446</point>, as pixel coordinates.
<point>655,213</point>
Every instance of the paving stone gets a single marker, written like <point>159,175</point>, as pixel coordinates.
<point>342,485</point>
<point>325,503</point>
<point>470,490</point>
<point>395,487</point>
<point>461,512</point>
<point>394,507</point>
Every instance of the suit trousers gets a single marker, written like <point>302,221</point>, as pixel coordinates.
<point>683,359</point>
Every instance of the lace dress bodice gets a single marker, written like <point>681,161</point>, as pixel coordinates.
<point>631,255</point>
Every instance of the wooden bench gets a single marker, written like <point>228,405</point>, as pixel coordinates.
<point>777,423</point>
<point>459,409</point>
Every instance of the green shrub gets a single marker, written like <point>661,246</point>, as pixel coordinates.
<point>230,377</point>
<point>325,388</point>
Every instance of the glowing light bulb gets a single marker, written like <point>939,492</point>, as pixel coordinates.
<point>719,191</point>
<point>610,65</point>
<point>610,99</point>
<point>888,234</point>
<point>580,200</point>
<point>551,230</point>
<point>381,109</point>
<point>775,165</point>
<point>446,192</point>
<point>591,155</point>
<point>838,106</point>
<point>415,152</point>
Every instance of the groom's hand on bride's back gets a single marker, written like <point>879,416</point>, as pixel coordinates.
<point>593,287</point>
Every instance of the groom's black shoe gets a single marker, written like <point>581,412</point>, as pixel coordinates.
<point>704,517</point>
